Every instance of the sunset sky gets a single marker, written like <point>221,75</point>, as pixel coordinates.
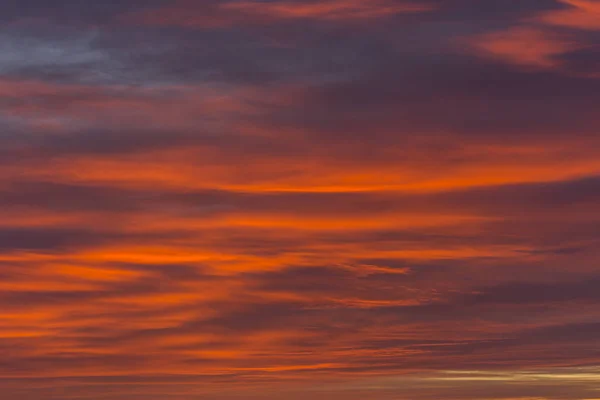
<point>300,200</point>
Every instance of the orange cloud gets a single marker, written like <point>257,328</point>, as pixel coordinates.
<point>537,43</point>
<point>199,232</point>
<point>253,12</point>
<point>526,46</point>
<point>581,14</point>
<point>327,10</point>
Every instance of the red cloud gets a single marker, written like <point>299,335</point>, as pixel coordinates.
<point>253,12</point>
<point>582,14</point>
<point>537,42</point>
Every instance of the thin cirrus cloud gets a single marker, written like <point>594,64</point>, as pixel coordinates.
<point>292,199</point>
<point>553,39</point>
<point>581,14</point>
<point>215,13</point>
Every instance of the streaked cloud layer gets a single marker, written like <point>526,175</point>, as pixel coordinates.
<point>300,199</point>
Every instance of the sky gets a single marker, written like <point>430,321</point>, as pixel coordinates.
<point>300,199</point>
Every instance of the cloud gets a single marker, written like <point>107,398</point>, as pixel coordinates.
<point>579,14</point>
<point>215,14</point>
<point>527,46</point>
<point>298,199</point>
<point>71,12</point>
<point>541,42</point>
